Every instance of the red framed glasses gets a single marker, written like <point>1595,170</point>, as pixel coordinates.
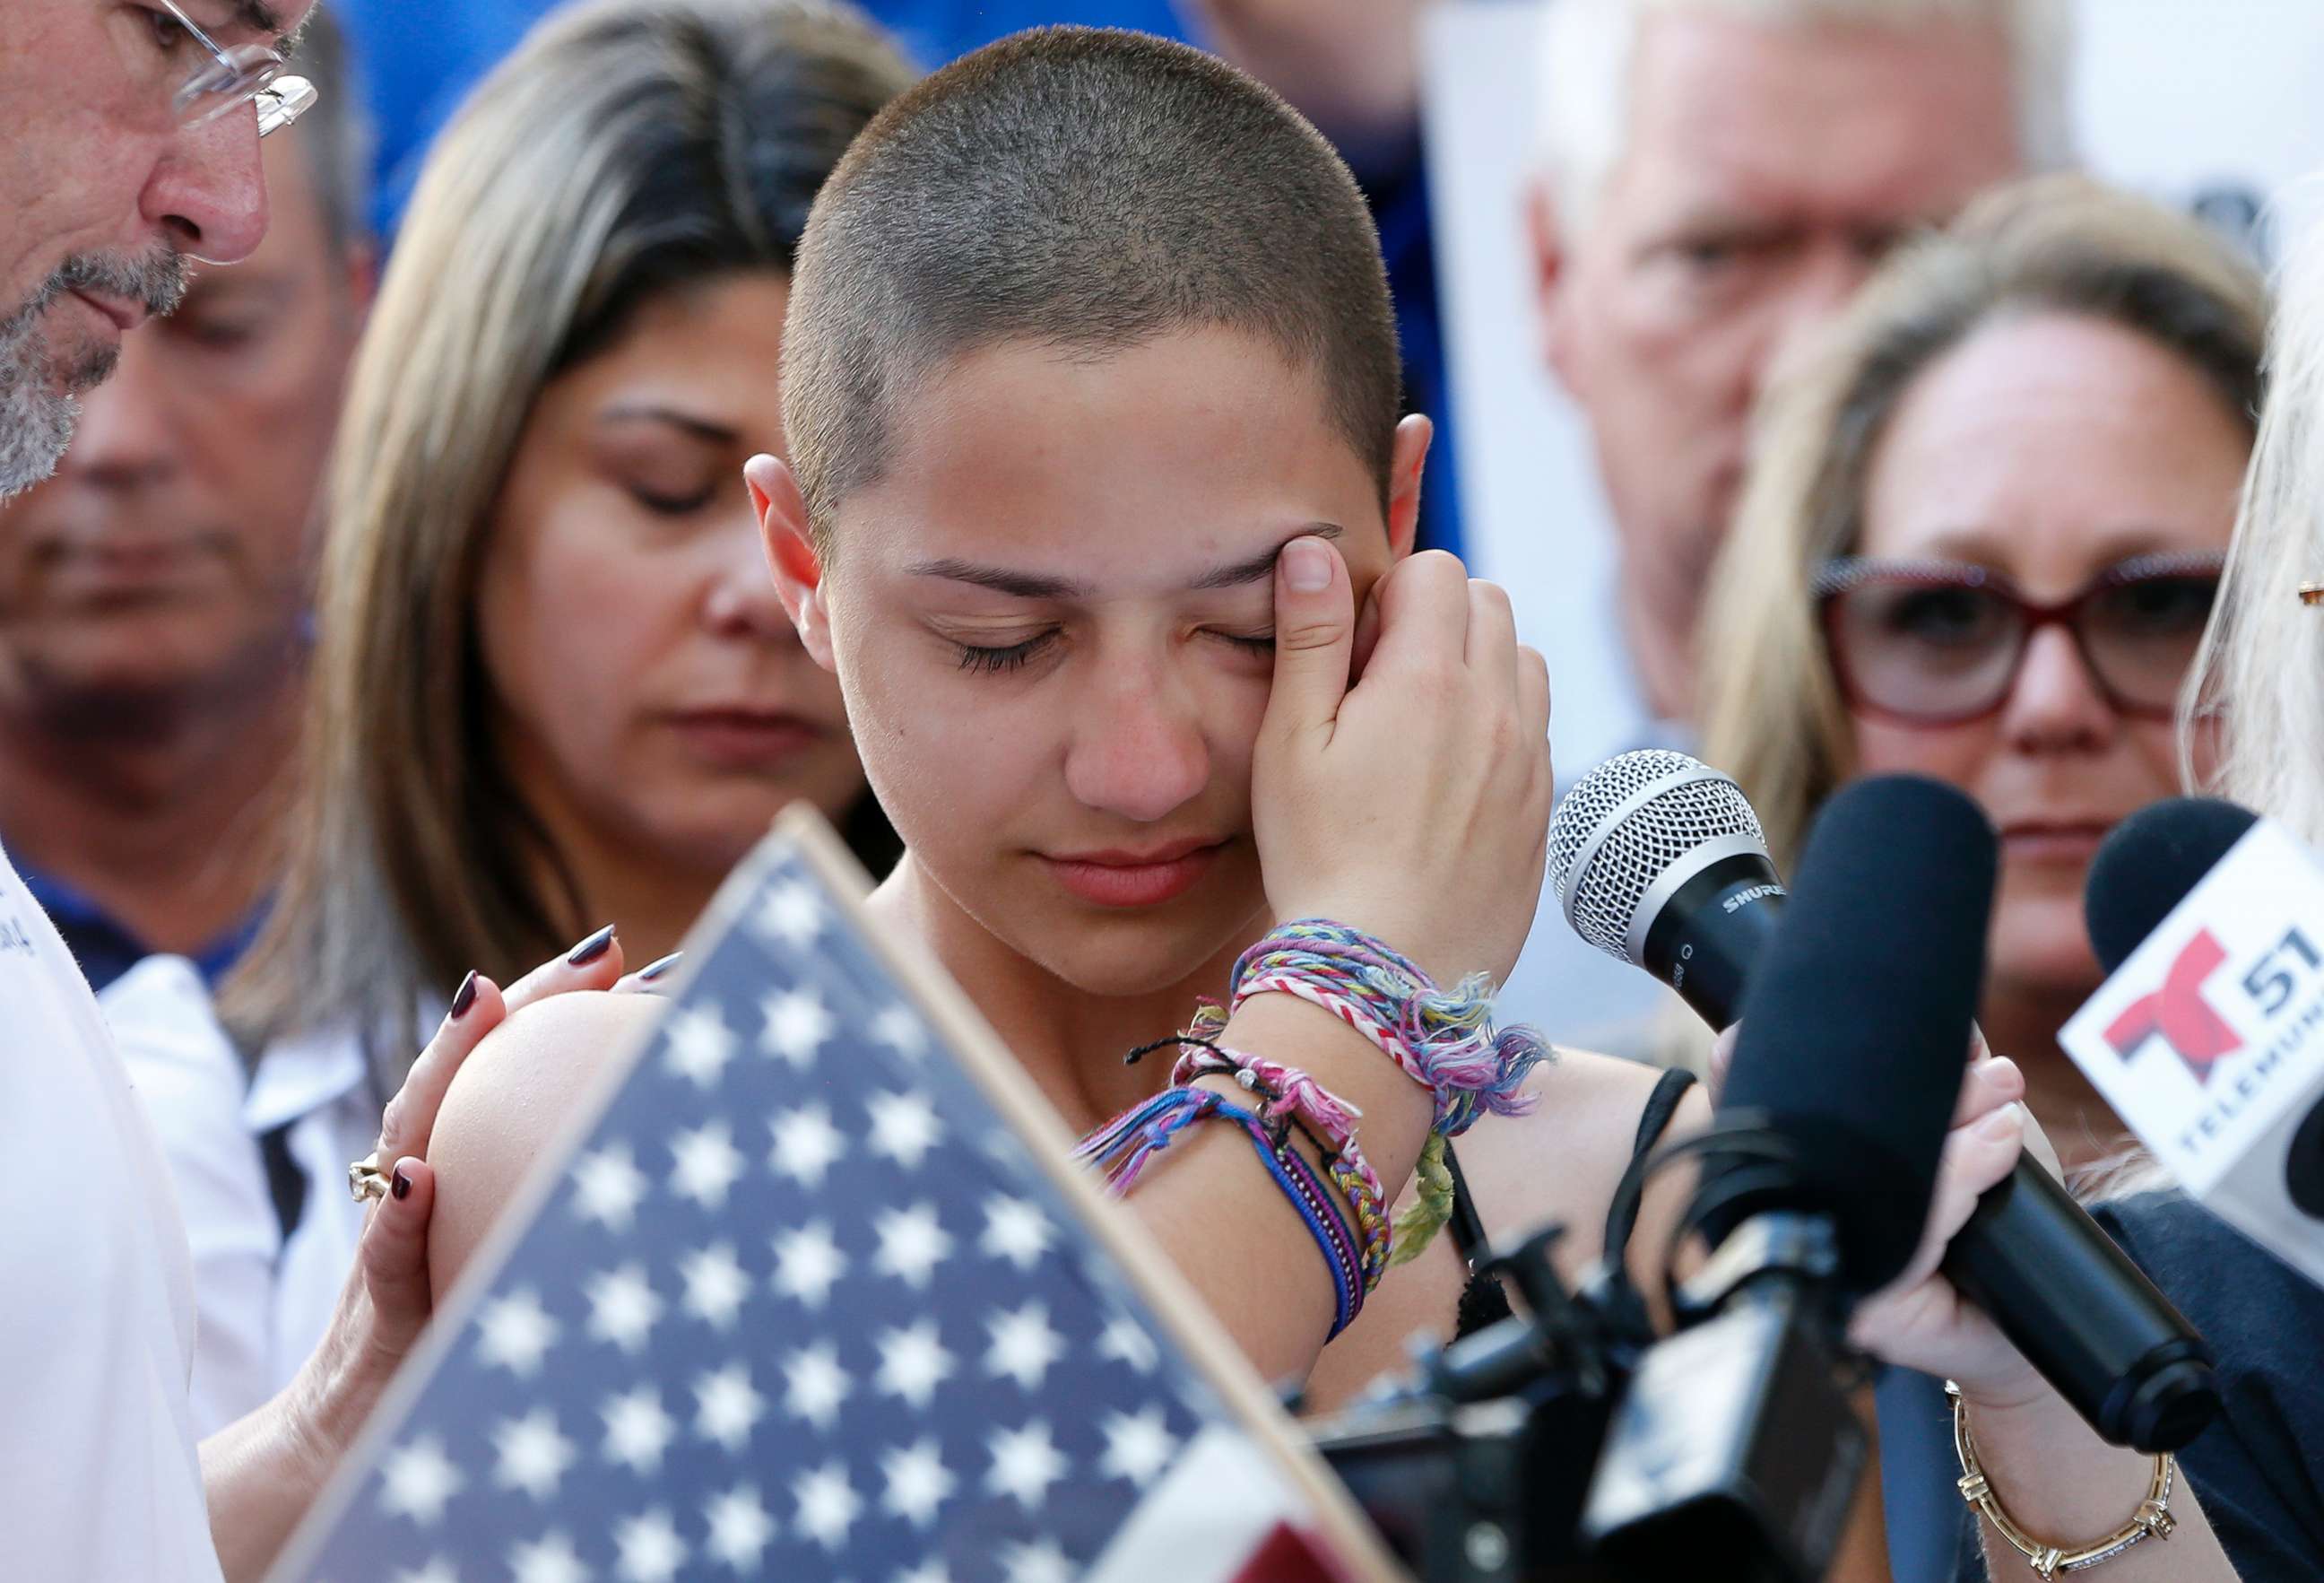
<point>1939,642</point>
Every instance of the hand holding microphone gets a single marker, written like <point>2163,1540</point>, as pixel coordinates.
<point>1659,861</point>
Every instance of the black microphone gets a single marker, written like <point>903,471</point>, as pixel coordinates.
<point>1854,1022</point>
<point>2148,862</point>
<point>1658,860</point>
<point>1736,1438</point>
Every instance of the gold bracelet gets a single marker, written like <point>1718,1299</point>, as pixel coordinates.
<point>2152,1520</point>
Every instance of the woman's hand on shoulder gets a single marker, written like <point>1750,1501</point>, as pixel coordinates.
<point>1413,804</point>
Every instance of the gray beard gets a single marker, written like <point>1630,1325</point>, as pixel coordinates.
<point>36,419</point>
<point>38,408</point>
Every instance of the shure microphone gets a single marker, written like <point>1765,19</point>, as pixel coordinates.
<point>1658,860</point>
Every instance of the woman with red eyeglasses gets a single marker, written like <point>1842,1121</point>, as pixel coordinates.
<point>1980,541</point>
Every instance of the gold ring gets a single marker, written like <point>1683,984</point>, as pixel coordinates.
<point>365,1180</point>
<point>2311,593</point>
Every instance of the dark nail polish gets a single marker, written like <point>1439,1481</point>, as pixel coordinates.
<point>402,1187</point>
<point>648,975</point>
<point>464,997</point>
<point>590,949</point>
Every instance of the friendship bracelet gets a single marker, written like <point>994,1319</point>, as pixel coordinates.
<point>1445,1041</point>
<point>1123,1147</point>
<point>1292,1097</point>
<point>2152,1520</point>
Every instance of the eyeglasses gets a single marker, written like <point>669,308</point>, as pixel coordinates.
<point>232,78</point>
<point>1935,642</point>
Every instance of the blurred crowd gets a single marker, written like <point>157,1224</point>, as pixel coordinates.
<point>400,606</point>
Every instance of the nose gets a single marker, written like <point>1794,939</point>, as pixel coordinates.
<point>739,601</point>
<point>126,440</point>
<point>1828,277</point>
<point>1136,747</point>
<point>2054,705</point>
<point>209,191</point>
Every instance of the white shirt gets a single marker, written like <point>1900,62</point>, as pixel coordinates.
<point>264,1301</point>
<point>99,1478</point>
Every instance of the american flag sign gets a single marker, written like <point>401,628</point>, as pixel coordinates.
<point>795,1301</point>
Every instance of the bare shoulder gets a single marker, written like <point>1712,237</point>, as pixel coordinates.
<point>511,1098</point>
<point>1560,1161</point>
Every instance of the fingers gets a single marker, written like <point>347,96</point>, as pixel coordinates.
<point>1533,692</point>
<point>1424,606</point>
<point>1976,1157</point>
<point>477,1009</point>
<point>1722,1056</point>
<point>1986,1086</point>
<point>594,964</point>
<point>655,979</point>
<point>1314,635</point>
<point>1492,637</point>
<point>393,1255</point>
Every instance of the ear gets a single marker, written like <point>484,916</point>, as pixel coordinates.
<point>1545,234</point>
<point>790,552</point>
<point>1413,436</point>
<point>362,270</point>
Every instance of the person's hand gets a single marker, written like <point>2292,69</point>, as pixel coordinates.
<point>385,1302</point>
<point>1920,1320</point>
<point>1414,804</point>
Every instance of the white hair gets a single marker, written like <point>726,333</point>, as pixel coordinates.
<point>1586,69</point>
<point>2260,675</point>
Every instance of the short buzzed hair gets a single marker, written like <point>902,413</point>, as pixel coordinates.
<point>1088,190</point>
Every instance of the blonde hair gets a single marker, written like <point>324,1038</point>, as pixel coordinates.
<point>2258,682</point>
<point>626,149</point>
<point>1773,714</point>
<point>1585,74</point>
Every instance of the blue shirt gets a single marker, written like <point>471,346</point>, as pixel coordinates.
<point>419,62</point>
<point>106,949</point>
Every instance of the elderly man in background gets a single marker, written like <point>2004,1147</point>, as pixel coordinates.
<point>1717,178</point>
<point>132,150</point>
<point>153,594</point>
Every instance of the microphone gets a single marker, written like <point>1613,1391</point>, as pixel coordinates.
<point>1659,861</point>
<point>1856,1020</point>
<point>2207,1036</point>
<point>1815,1190</point>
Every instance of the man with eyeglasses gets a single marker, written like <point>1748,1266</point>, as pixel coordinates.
<point>129,135</point>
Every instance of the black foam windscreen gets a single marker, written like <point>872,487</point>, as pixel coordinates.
<point>2148,862</point>
<point>1856,1024</point>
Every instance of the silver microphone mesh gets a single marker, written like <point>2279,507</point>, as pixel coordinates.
<point>1626,822</point>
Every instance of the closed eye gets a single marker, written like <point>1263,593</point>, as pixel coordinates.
<point>992,661</point>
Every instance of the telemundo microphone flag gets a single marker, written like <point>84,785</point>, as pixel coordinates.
<point>810,1289</point>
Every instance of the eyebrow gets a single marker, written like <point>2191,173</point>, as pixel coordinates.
<point>1025,585</point>
<point>700,428</point>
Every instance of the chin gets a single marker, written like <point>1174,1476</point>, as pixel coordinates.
<point>1129,954</point>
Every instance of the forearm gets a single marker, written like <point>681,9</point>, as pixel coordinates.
<point>1217,1212</point>
<point>2066,1486</point>
<point>261,1473</point>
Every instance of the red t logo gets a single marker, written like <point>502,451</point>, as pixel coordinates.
<point>2178,1013</point>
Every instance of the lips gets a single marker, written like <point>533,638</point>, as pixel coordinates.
<point>2072,840</point>
<point>1122,878</point>
<point>127,313</point>
<point>742,738</point>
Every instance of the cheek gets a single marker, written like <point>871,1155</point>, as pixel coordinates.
<point>1955,755</point>
<point>570,627</point>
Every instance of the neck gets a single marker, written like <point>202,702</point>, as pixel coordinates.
<point>1070,1041</point>
<point>649,899</point>
<point>2022,1024</point>
<point>161,810</point>
<point>1659,625</point>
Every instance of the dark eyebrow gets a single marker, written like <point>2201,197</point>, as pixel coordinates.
<point>700,428</point>
<point>1025,585</point>
<point>1259,566</point>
